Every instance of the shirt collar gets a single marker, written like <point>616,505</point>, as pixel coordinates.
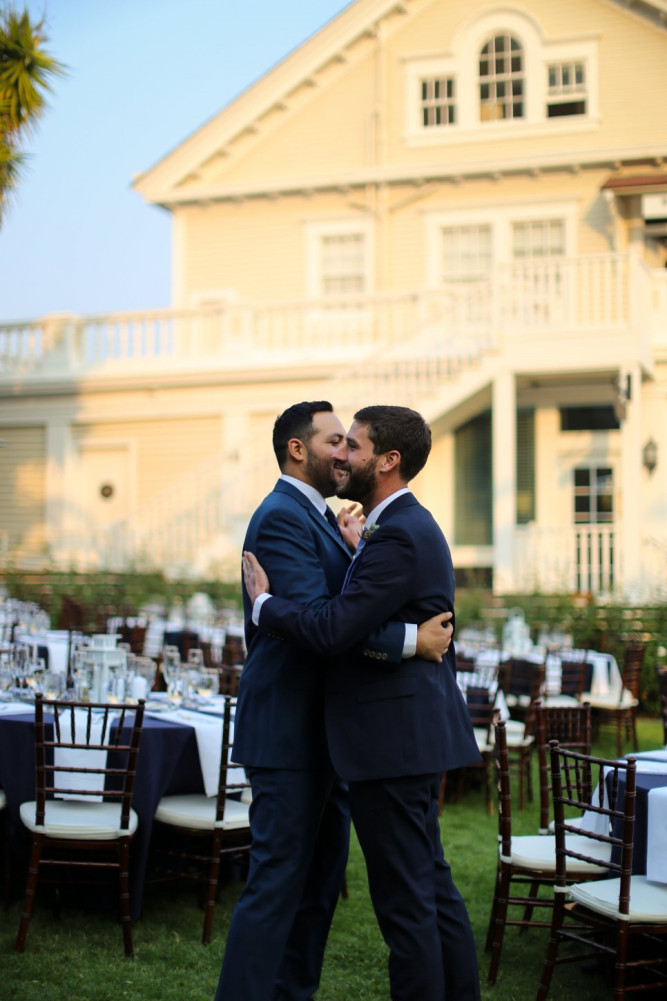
<point>379,508</point>
<point>313,495</point>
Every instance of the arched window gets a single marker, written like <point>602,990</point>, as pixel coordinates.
<point>501,79</point>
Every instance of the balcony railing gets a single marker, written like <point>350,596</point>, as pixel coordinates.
<point>592,295</point>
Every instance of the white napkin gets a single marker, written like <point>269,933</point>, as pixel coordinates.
<point>656,841</point>
<point>72,756</point>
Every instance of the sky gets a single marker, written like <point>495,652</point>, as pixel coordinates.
<point>142,76</point>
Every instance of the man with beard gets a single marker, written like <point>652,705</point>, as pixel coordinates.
<point>392,731</point>
<point>299,816</point>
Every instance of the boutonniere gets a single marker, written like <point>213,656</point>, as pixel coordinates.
<point>368,531</point>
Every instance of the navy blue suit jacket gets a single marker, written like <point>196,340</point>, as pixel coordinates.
<point>385,719</point>
<point>280,713</point>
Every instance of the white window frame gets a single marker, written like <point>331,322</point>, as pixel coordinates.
<point>500,217</point>
<point>462,63</point>
<point>315,232</point>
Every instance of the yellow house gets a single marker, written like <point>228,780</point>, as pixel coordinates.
<point>457,205</point>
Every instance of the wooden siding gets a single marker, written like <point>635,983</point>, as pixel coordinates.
<point>23,489</point>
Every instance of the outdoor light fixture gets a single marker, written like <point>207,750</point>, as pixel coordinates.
<point>650,455</point>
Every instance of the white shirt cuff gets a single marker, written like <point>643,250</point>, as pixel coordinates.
<point>257,607</point>
<point>410,644</point>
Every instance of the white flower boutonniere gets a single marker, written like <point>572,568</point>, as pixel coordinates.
<point>368,531</point>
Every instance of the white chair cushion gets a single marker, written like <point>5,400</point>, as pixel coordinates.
<point>648,901</point>
<point>538,851</point>
<point>3,800</point>
<point>198,811</point>
<point>79,820</point>
<point>560,701</point>
<point>610,701</point>
<point>482,738</point>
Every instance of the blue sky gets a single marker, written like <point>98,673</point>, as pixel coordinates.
<point>143,75</point>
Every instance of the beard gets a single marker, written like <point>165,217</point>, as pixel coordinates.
<point>321,474</point>
<point>360,483</point>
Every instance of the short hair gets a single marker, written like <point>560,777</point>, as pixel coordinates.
<point>296,422</point>
<point>398,428</point>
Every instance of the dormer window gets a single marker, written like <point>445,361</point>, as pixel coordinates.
<point>501,79</point>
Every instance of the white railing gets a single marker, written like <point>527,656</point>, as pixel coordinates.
<point>592,295</point>
<point>567,559</point>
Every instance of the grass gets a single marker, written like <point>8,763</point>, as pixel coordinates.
<point>79,957</point>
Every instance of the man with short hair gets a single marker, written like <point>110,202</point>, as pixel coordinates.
<point>299,815</point>
<point>392,732</point>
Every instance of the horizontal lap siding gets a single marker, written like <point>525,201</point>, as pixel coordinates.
<point>23,489</point>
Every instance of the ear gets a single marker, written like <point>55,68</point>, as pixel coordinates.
<point>391,460</point>
<point>296,450</point>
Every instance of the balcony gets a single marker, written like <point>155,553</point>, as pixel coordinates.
<point>587,301</point>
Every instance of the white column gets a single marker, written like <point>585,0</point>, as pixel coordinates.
<point>628,517</point>
<point>504,481</point>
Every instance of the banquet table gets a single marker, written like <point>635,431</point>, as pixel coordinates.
<point>168,764</point>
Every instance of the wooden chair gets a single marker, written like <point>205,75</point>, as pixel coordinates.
<point>572,683</point>
<point>525,864</point>
<point>4,847</point>
<point>662,694</point>
<point>571,727</point>
<point>524,681</point>
<point>482,716</point>
<point>89,756</point>
<point>194,831</point>
<point>608,913</point>
<point>621,711</point>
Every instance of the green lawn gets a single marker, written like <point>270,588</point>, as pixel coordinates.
<point>79,957</point>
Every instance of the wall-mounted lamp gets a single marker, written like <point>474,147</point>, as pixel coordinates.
<point>650,455</point>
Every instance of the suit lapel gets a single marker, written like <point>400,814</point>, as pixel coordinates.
<point>323,525</point>
<point>402,503</point>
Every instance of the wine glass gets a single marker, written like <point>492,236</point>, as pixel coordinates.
<point>52,684</point>
<point>206,683</point>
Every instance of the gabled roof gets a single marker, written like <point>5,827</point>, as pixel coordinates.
<point>176,177</point>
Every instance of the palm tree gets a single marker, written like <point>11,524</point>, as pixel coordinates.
<point>25,69</point>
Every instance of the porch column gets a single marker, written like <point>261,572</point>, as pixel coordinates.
<point>629,516</point>
<point>504,481</point>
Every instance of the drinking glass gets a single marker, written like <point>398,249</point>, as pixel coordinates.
<point>206,683</point>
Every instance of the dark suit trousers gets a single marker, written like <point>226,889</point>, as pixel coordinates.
<point>277,936</point>
<point>420,912</point>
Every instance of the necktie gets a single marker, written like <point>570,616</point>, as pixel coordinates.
<point>333,521</point>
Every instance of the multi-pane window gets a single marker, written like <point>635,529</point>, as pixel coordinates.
<point>343,263</point>
<point>567,92</point>
<point>467,252</point>
<point>537,238</point>
<point>501,79</point>
<point>593,495</point>
<point>438,101</point>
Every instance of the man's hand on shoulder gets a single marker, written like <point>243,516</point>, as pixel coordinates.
<point>434,637</point>
<point>255,579</point>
